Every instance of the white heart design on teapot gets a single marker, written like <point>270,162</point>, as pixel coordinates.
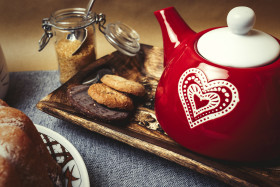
<point>202,100</point>
<point>198,107</point>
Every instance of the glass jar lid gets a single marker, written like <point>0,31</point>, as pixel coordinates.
<point>123,38</point>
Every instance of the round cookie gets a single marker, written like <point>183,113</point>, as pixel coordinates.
<point>109,97</point>
<point>124,85</point>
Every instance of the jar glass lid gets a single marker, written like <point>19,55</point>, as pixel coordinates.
<point>123,38</point>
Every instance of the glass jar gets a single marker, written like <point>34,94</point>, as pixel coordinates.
<point>71,28</point>
<point>74,39</point>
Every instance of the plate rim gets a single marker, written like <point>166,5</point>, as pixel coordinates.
<point>70,147</point>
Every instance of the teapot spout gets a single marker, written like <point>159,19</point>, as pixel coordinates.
<point>174,31</point>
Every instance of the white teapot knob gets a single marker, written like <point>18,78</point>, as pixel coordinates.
<point>241,20</point>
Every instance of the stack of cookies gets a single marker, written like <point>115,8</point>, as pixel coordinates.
<point>109,100</point>
<point>114,92</point>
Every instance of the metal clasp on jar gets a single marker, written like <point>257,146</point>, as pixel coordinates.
<point>100,19</point>
<point>47,35</point>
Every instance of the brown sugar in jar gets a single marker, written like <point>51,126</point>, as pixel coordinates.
<point>70,64</point>
<point>68,26</point>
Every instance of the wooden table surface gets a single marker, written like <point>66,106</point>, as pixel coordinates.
<point>20,23</point>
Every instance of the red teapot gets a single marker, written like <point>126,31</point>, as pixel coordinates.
<point>219,94</point>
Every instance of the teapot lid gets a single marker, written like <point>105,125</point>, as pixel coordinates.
<point>238,45</point>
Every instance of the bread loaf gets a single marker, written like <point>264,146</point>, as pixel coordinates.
<point>24,158</point>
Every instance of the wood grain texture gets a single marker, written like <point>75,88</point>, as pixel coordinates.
<point>144,132</point>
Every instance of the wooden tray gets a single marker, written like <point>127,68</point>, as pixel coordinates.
<point>144,132</point>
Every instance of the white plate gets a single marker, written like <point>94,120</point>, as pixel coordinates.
<point>73,167</point>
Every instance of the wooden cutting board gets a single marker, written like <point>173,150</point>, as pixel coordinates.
<point>143,131</point>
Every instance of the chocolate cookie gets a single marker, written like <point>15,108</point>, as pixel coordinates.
<point>109,97</point>
<point>83,103</point>
<point>123,85</point>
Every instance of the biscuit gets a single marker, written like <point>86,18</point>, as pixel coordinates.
<point>123,85</point>
<point>109,97</point>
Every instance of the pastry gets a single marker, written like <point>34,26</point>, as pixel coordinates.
<point>3,103</point>
<point>123,85</point>
<point>105,95</point>
<point>24,158</point>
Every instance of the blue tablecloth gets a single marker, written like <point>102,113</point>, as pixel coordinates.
<point>109,162</point>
